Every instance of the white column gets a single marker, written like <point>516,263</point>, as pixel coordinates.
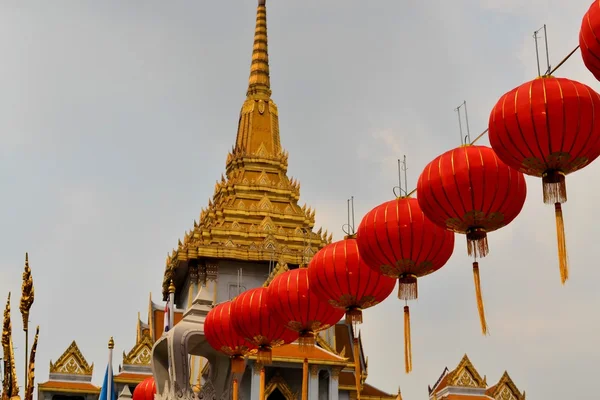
<point>334,384</point>
<point>255,382</point>
<point>313,382</point>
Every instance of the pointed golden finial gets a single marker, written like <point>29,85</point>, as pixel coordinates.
<point>259,83</point>
<point>171,287</point>
<point>111,343</point>
<point>27,294</point>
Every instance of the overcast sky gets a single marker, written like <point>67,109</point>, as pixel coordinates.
<point>116,118</point>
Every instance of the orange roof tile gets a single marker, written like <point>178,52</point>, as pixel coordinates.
<point>293,353</point>
<point>71,387</point>
<point>130,377</point>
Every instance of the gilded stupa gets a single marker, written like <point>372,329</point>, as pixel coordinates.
<point>254,213</point>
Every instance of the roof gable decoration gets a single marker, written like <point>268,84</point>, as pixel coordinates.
<point>72,362</point>
<point>280,268</point>
<point>141,353</point>
<point>465,375</point>
<point>506,389</point>
<point>277,382</point>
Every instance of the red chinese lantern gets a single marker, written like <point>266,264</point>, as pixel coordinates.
<point>589,39</point>
<point>253,321</point>
<point>145,390</point>
<point>298,308</point>
<point>338,275</point>
<point>548,128</point>
<point>397,240</point>
<point>469,190</point>
<point>220,334</point>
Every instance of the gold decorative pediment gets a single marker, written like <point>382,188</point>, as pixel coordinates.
<point>506,389</point>
<point>141,353</point>
<point>72,362</point>
<point>277,382</point>
<point>465,375</point>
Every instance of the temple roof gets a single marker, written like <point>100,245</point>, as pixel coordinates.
<point>72,362</point>
<point>254,214</point>
<point>465,383</point>
<point>71,373</point>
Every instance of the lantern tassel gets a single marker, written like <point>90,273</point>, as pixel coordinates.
<point>305,379</point>
<point>236,390</point>
<point>265,355</point>
<point>480,308</point>
<point>306,341</point>
<point>238,365</point>
<point>407,341</point>
<point>407,287</point>
<point>562,243</point>
<point>477,243</point>
<point>354,315</point>
<point>261,388</point>
<point>356,346</point>
<point>554,187</point>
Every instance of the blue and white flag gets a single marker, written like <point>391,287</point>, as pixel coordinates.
<point>108,385</point>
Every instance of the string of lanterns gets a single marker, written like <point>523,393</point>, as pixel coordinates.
<point>548,127</point>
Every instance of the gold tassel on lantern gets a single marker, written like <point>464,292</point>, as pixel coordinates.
<point>477,243</point>
<point>306,340</point>
<point>236,390</point>
<point>238,365</point>
<point>265,355</point>
<point>261,392</point>
<point>407,287</point>
<point>562,243</point>
<point>480,308</point>
<point>305,379</point>
<point>407,341</point>
<point>554,187</point>
<point>354,315</point>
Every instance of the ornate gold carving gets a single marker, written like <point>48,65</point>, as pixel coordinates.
<point>506,389</point>
<point>314,370</point>
<point>141,353</point>
<point>27,294</point>
<point>10,387</point>
<point>72,362</point>
<point>466,375</point>
<point>31,368</point>
<point>277,382</point>
<point>335,373</point>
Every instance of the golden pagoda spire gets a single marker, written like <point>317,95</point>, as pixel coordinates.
<point>259,84</point>
<point>258,129</point>
<point>10,387</point>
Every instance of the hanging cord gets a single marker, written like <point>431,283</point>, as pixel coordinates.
<point>550,73</point>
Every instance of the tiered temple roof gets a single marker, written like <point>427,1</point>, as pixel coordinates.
<point>465,383</point>
<point>254,214</point>
<point>71,373</point>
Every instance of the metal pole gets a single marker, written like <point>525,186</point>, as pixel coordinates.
<point>459,125</point>
<point>467,121</point>
<point>537,54</point>
<point>547,51</point>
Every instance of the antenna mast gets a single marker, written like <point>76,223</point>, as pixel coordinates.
<point>463,139</point>
<point>537,52</point>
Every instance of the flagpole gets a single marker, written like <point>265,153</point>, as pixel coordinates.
<point>171,305</point>
<point>111,346</point>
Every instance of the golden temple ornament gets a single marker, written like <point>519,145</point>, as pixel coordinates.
<point>10,386</point>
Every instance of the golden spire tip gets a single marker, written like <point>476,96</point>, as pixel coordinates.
<point>171,287</point>
<point>111,343</point>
